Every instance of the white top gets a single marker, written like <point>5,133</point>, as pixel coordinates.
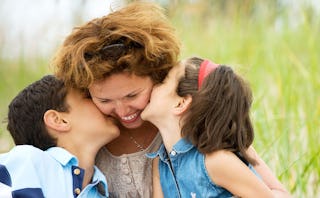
<point>129,175</point>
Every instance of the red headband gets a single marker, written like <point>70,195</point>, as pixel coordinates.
<point>206,68</point>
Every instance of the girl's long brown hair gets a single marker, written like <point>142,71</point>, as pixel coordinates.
<point>218,117</point>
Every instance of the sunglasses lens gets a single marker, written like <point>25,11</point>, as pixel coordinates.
<point>113,51</point>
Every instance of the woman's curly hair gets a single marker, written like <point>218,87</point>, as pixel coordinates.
<point>137,39</point>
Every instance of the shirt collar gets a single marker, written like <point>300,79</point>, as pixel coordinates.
<point>182,146</point>
<point>100,180</point>
<point>63,156</point>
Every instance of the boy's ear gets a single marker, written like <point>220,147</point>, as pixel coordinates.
<point>183,105</point>
<point>56,120</point>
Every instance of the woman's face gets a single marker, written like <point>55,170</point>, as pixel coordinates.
<point>122,96</point>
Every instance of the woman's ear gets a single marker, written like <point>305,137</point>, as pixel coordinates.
<point>183,105</point>
<point>56,121</point>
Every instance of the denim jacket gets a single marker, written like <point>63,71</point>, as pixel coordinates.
<point>186,176</point>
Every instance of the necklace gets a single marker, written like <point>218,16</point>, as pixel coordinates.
<point>135,142</point>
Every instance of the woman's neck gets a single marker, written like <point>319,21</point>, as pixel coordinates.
<point>133,140</point>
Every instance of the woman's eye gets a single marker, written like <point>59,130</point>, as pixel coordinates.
<point>104,101</point>
<point>132,95</point>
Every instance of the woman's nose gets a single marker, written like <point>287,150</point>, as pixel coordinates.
<point>120,108</point>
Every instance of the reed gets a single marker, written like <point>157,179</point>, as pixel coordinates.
<point>278,57</point>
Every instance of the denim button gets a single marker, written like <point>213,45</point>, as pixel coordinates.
<point>173,153</point>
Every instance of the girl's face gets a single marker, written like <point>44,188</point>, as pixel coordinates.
<point>164,97</point>
<point>122,96</point>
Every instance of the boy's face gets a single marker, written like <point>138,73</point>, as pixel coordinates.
<point>87,122</point>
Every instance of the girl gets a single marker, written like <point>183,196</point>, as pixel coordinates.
<point>206,130</point>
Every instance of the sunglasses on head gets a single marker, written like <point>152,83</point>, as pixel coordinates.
<point>113,51</point>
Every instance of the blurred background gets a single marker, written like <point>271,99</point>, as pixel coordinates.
<point>274,44</point>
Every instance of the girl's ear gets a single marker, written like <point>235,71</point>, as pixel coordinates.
<point>183,105</point>
<point>56,121</point>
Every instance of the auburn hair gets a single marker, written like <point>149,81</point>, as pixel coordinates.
<point>140,39</point>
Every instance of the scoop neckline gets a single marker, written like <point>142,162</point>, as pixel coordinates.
<point>136,153</point>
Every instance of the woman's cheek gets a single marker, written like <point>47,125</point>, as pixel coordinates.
<point>104,108</point>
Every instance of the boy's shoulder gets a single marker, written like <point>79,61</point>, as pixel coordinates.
<point>23,153</point>
<point>24,160</point>
<point>33,157</point>
<point>30,160</point>
<point>25,149</point>
<point>21,169</point>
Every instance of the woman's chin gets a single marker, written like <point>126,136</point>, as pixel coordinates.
<point>133,124</point>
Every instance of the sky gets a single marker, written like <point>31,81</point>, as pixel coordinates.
<point>36,27</point>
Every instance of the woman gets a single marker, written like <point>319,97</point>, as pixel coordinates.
<point>118,58</point>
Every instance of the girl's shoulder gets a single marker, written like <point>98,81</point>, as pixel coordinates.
<point>219,163</point>
<point>219,156</point>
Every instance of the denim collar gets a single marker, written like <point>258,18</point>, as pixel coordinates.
<point>182,146</point>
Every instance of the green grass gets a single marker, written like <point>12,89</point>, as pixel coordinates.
<point>15,75</point>
<point>282,66</point>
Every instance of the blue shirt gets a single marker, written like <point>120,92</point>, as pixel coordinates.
<point>28,171</point>
<point>186,175</point>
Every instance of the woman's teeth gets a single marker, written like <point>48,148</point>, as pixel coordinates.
<point>130,117</point>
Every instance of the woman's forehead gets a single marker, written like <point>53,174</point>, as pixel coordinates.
<point>120,85</point>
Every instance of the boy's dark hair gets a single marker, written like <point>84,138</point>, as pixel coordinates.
<point>26,111</point>
<point>218,117</point>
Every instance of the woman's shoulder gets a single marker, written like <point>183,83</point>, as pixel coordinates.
<point>155,144</point>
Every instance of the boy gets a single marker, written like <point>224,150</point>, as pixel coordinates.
<point>58,132</point>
